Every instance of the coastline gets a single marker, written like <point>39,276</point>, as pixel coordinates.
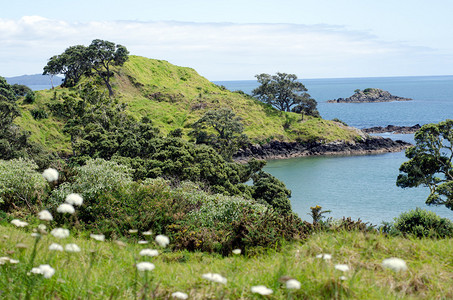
<point>284,150</point>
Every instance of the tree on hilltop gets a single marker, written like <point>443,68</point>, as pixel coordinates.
<point>94,60</point>
<point>73,63</point>
<point>102,56</point>
<point>284,92</point>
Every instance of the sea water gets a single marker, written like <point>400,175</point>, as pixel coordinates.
<point>363,186</point>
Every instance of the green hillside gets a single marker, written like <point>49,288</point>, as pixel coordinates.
<point>175,97</point>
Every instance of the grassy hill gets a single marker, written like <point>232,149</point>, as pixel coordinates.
<point>175,97</point>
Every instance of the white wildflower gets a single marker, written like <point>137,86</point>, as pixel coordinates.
<point>35,235</point>
<point>45,215</point>
<point>149,252</point>
<point>74,199</point>
<point>65,208</point>
<point>214,277</point>
<point>42,228</point>
<point>262,290</point>
<point>21,246</point>
<point>180,295</point>
<point>133,231</point>
<point>46,271</point>
<point>72,248</point>
<point>50,174</point>
<point>395,264</point>
<point>142,242</point>
<point>19,223</point>
<point>342,268</point>
<point>324,256</point>
<point>60,233</point>
<point>237,251</point>
<point>145,266</point>
<point>98,237</point>
<point>343,278</point>
<point>149,232</point>
<point>13,261</point>
<point>293,284</point>
<point>4,260</point>
<point>162,240</point>
<point>55,247</point>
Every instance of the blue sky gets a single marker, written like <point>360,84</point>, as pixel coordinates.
<point>233,40</point>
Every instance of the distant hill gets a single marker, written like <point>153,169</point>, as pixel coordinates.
<point>36,79</point>
<point>175,97</point>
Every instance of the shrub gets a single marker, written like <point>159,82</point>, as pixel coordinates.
<point>38,113</point>
<point>30,97</point>
<point>423,223</point>
<point>20,184</point>
<point>95,177</point>
<point>269,190</point>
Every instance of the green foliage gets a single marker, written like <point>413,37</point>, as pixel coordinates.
<point>227,127</point>
<point>39,113</point>
<point>430,163</point>
<point>21,90</point>
<point>14,142</point>
<point>424,223</point>
<point>103,55</point>
<point>79,60</point>
<point>96,177</point>
<point>20,184</point>
<point>284,92</point>
<point>72,63</point>
<point>339,121</point>
<point>30,97</point>
<point>317,213</point>
<point>269,190</point>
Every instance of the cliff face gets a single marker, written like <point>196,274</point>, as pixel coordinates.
<point>369,95</point>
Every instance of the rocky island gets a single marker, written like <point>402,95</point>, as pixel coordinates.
<point>369,95</point>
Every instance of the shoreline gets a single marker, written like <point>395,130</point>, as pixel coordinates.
<point>393,129</point>
<point>285,150</point>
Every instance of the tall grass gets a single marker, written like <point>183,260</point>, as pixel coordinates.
<point>106,270</point>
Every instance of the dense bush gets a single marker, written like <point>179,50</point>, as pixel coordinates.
<point>20,184</point>
<point>423,223</point>
<point>97,176</point>
<point>269,190</point>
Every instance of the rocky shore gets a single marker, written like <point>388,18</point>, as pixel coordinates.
<point>393,129</point>
<point>369,95</point>
<point>282,150</point>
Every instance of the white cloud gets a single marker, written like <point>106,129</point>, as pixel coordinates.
<point>220,50</point>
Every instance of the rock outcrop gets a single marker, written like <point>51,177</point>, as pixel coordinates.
<point>369,95</point>
<point>280,150</point>
<point>393,129</point>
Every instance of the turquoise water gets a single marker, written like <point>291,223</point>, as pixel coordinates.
<point>363,186</point>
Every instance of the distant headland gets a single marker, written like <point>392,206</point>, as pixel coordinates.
<point>369,95</point>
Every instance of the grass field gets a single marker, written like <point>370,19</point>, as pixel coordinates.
<point>106,270</point>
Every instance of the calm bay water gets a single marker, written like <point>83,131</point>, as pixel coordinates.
<point>362,186</point>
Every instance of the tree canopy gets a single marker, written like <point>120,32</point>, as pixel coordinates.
<point>284,92</point>
<point>95,60</point>
<point>430,163</point>
<point>222,130</point>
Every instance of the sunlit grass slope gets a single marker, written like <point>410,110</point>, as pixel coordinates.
<point>175,97</point>
<point>106,270</point>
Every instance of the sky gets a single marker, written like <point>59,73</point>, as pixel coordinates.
<point>237,39</point>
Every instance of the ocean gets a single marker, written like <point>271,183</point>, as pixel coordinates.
<point>363,186</point>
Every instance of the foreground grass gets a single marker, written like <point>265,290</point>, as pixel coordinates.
<point>106,270</point>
